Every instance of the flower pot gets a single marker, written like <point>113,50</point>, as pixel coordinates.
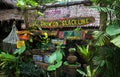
<point>71,59</point>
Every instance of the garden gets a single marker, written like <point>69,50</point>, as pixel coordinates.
<point>58,40</point>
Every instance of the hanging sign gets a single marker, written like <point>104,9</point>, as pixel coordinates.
<point>20,44</point>
<point>69,22</point>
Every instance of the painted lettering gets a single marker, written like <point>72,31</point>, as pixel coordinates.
<point>68,22</point>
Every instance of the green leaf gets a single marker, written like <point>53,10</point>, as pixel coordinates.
<point>52,58</point>
<point>55,56</point>
<point>83,51</point>
<point>51,68</point>
<point>81,72</point>
<point>113,29</point>
<point>20,50</point>
<point>93,72</point>
<point>89,71</point>
<point>58,64</point>
<point>58,55</point>
<point>116,41</point>
<point>40,14</point>
<point>101,37</point>
<point>54,67</point>
<point>7,57</point>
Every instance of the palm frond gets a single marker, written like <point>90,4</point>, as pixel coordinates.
<point>101,38</point>
<point>104,9</point>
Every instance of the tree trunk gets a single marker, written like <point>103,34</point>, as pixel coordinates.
<point>103,18</point>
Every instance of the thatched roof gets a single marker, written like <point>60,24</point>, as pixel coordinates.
<point>7,4</point>
<point>8,10</point>
<point>10,14</point>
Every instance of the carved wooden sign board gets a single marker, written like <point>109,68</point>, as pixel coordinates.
<point>69,16</point>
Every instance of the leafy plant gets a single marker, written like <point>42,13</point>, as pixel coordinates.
<point>84,52</point>
<point>90,72</point>
<point>107,61</point>
<point>10,61</point>
<point>114,31</point>
<point>101,38</point>
<point>29,69</point>
<point>55,59</point>
<point>106,57</point>
<point>88,56</point>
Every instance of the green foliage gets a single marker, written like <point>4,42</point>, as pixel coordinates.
<point>26,3</point>
<point>87,55</point>
<point>84,52</point>
<point>101,38</point>
<point>20,50</point>
<point>55,66</point>
<point>116,41</point>
<point>29,69</point>
<point>108,61</point>
<point>68,64</point>
<point>90,72</point>
<point>82,73</point>
<point>107,57</point>
<point>113,30</point>
<point>104,9</point>
<point>108,2</point>
<point>32,3</point>
<point>72,50</point>
<point>98,61</point>
<point>5,59</point>
<point>96,1</point>
<point>55,59</point>
<point>9,62</point>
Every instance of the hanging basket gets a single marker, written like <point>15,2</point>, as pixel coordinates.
<point>9,43</point>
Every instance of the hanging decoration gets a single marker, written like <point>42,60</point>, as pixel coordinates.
<point>9,43</point>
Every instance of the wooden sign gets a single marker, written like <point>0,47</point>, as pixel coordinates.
<point>69,22</point>
<point>20,44</point>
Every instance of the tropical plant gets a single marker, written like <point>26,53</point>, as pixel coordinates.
<point>115,34</point>
<point>107,52</point>
<point>88,56</point>
<point>55,59</point>
<point>29,69</point>
<point>9,62</point>
<point>101,38</point>
<point>108,8</point>
<point>89,72</point>
<point>84,52</point>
